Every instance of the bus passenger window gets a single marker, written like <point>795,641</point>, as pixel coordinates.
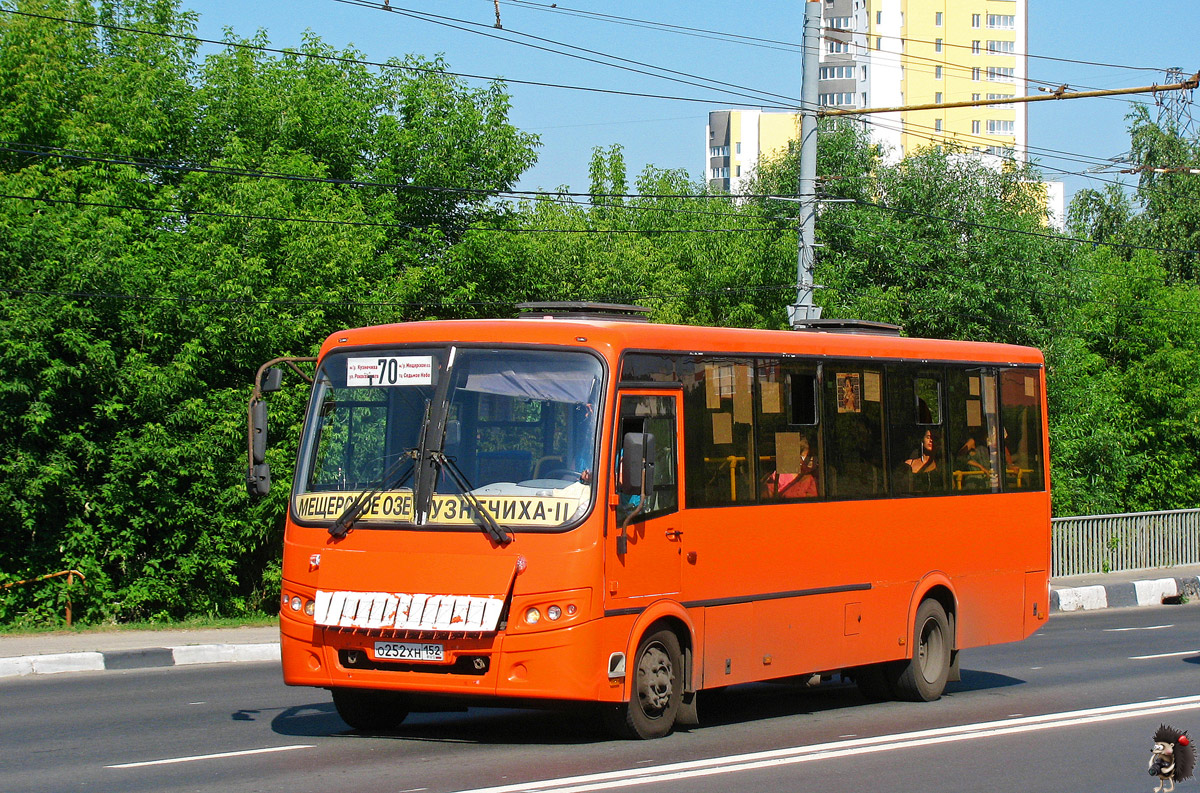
<point>1021,406</point>
<point>853,422</point>
<point>915,431</point>
<point>722,465</point>
<point>785,430</point>
<point>974,430</point>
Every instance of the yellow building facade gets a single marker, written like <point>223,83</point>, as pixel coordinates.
<point>888,53</point>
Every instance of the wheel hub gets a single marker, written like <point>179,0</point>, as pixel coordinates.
<point>654,680</point>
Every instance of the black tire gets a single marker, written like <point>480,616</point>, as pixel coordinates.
<point>368,710</point>
<point>872,682</point>
<point>656,691</point>
<point>923,678</point>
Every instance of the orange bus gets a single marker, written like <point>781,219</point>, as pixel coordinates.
<point>578,505</point>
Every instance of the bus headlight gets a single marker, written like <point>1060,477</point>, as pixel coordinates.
<point>550,610</point>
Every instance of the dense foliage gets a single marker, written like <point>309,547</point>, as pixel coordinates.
<point>169,220</point>
<point>143,293</point>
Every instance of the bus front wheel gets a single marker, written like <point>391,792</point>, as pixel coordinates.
<point>367,710</point>
<point>923,678</point>
<point>657,689</point>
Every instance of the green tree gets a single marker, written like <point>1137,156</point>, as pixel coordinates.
<point>143,297</point>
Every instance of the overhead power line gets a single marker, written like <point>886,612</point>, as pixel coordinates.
<point>1022,232</point>
<point>377,64</point>
<point>422,70</point>
<point>639,67</point>
<point>377,224</point>
<point>545,195</point>
<point>1161,169</point>
<point>775,44</point>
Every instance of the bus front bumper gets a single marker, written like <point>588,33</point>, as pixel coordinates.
<point>565,664</point>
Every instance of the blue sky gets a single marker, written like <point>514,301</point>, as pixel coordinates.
<point>669,133</point>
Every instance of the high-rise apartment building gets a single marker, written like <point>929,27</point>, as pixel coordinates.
<point>888,53</point>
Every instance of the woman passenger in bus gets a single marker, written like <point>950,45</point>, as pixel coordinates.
<point>922,460</point>
<point>922,466</point>
<point>802,483</point>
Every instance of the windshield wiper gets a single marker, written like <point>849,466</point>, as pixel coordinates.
<point>341,527</point>
<point>487,522</point>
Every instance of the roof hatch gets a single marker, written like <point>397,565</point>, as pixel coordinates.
<point>607,312</point>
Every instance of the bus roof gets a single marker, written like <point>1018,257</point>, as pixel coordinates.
<point>615,336</point>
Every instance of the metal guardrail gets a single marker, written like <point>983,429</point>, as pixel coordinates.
<point>70,574</point>
<point>1131,541</point>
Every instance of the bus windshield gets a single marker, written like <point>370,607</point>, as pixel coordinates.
<point>514,429</point>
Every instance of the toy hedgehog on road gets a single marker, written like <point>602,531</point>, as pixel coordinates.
<point>1172,759</point>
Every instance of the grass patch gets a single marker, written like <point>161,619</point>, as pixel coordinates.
<point>194,623</point>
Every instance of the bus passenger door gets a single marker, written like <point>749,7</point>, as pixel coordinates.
<point>651,561</point>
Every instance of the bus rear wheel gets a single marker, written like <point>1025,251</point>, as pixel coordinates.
<point>923,678</point>
<point>369,710</point>
<point>657,689</point>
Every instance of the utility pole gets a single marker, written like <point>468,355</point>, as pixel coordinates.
<point>803,310</point>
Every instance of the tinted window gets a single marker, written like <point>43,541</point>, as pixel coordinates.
<point>787,438</point>
<point>719,411</point>
<point>853,413</point>
<point>973,426</point>
<point>917,435</point>
<point>1020,400</point>
<point>640,367</point>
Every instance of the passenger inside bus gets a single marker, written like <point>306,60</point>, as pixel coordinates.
<point>799,477</point>
<point>922,465</point>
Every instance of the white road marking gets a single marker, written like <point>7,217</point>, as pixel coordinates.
<point>1162,655</point>
<point>218,756</point>
<point>1035,667</point>
<point>1147,628</point>
<point>838,749</point>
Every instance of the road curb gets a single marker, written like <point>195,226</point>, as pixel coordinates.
<point>1125,594</point>
<point>151,657</point>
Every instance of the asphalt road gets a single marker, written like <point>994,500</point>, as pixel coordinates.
<point>1038,715</point>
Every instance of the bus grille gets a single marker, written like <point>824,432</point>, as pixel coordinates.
<point>454,614</point>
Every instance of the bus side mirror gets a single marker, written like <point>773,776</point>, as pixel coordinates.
<point>258,480</point>
<point>637,455</point>
<point>258,430</point>
<point>272,380</point>
<point>268,379</point>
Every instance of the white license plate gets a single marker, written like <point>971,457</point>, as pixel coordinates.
<point>408,651</point>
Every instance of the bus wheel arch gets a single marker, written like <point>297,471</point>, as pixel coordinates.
<point>658,692</point>
<point>935,586</point>
<point>932,651</point>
